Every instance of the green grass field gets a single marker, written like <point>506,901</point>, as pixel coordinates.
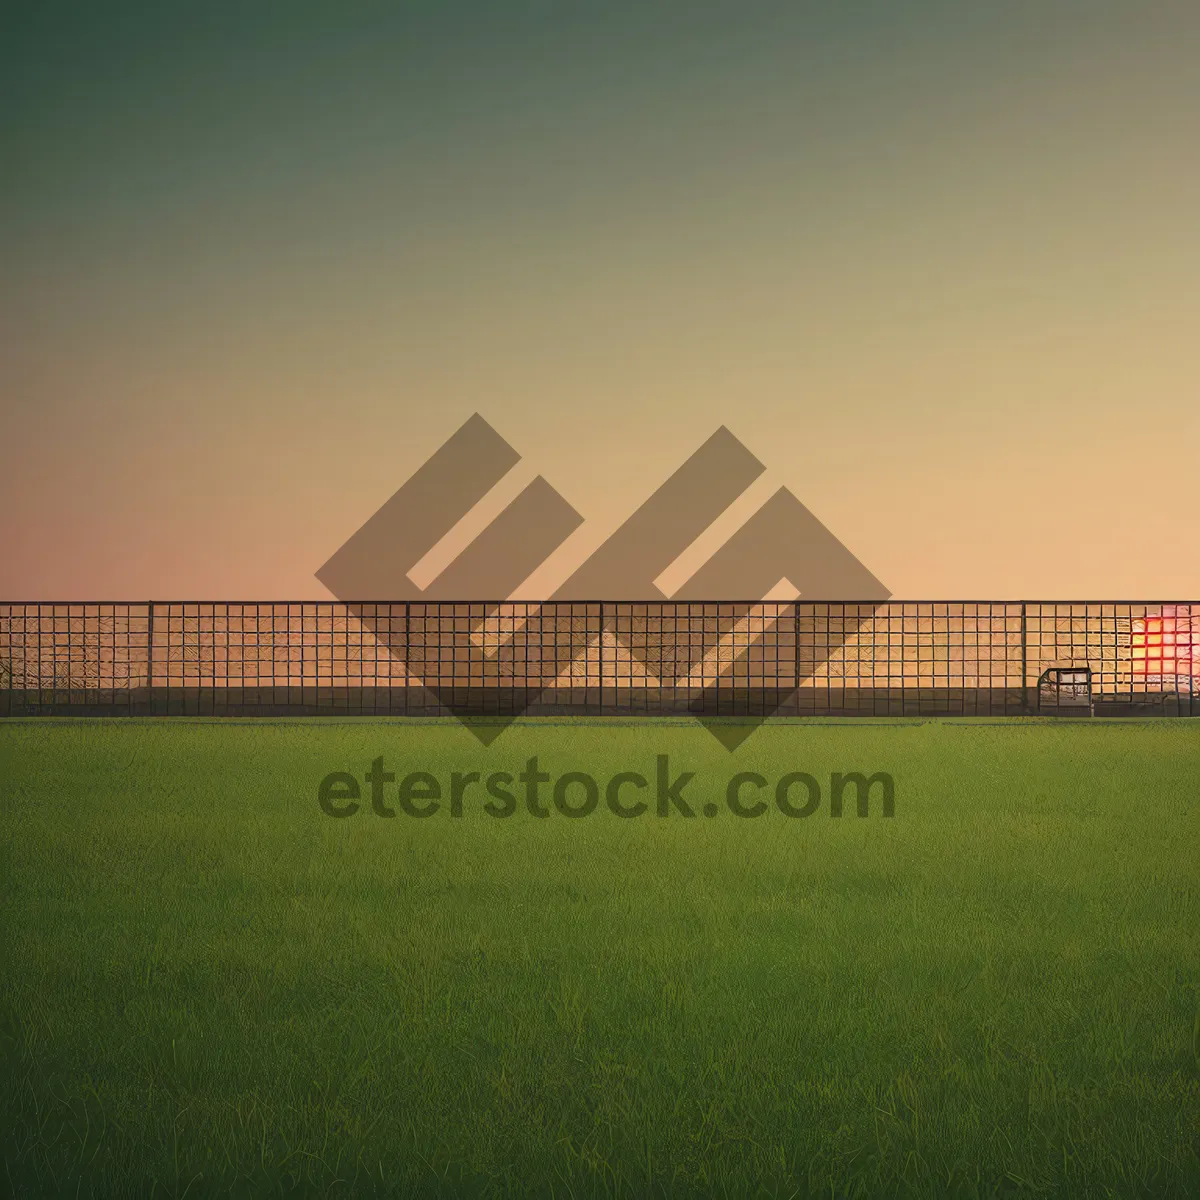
<point>212,987</point>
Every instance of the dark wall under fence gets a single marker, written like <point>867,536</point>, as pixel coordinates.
<point>612,658</point>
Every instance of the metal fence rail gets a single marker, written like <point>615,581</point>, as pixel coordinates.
<point>653,658</point>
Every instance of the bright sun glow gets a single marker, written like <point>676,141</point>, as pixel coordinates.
<point>1167,644</point>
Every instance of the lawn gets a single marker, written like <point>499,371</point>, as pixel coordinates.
<point>210,986</point>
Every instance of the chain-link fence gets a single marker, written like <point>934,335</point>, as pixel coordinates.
<point>652,658</point>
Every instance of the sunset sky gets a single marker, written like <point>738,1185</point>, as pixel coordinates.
<point>937,264</point>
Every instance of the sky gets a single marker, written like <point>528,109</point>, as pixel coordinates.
<point>937,265</point>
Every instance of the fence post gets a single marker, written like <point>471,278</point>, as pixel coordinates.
<point>150,657</point>
<point>128,659</point>
<point>600,660</point>
<point>1024,662</point>
<point>796,653</point>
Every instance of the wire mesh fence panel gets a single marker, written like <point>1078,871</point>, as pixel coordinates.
<point>637,657</point>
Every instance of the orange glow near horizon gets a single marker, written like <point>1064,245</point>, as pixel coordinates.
<point>1167,644</point>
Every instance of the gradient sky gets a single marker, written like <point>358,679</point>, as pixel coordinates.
<point>936,264</point>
